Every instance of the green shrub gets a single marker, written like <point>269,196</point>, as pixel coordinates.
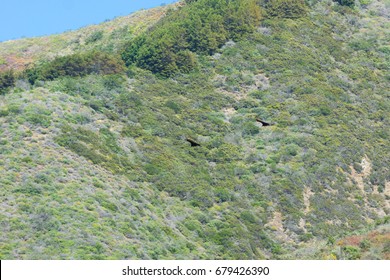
<point>351,253</point>
<point>286,8</point>
<point>98,184</point>
<point>76,65</point>
<point>29,190</point>
<point>247,216</point>
<point>105,202</point>
<point>7,80</point>
<point>132,131</point>
<point>38,119</point>
<point>365,244</point>
<point>100,148</point>
<point>4,112</point>
<point>349,3</point>
<point>222,195</point>
<point>386,247</point>
<point>250,129</point>
<point>114,81</point>
<point>173,105</point>
<point>95,36</point>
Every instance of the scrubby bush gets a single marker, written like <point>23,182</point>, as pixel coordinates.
<point>76,65</point>
<point>351,253</point>
<point>7,80</point>
<point>286,8</point>
<point>100,148</point>
<point>95,36</point>
<point>349,3</point>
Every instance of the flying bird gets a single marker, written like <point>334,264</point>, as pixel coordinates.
<point>193,142</point>
<point>263,122</point>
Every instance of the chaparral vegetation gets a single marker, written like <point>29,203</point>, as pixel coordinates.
<point>208,129</point>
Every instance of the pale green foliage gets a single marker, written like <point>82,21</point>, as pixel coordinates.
<point>97,166</point>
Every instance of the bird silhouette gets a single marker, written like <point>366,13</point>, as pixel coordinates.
<point>193,142</point>
<point>263,122</point>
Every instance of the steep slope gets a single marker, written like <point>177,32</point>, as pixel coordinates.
<point>98,166</point>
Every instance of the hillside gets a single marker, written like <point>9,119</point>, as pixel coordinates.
<point>18,54</point>
<point>95,159</point>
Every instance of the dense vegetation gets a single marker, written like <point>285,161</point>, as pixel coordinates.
<point>285,8</point>
<point>94,162</point>
<point>201,27</point>
<point>7,80</point>
<point>349,3</point>
<point>76,65</point>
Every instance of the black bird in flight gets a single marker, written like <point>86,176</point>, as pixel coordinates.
<point>263,122</point>
<point>193,142</point>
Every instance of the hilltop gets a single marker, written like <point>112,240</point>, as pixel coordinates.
<point>18,54</point>
<point>287,101</point>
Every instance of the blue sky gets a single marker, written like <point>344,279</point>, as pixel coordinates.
<point>31,18</point>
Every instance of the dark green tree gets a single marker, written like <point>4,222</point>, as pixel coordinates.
<point>7,80</point>
<point>349,3</point>
<point>286,8</point>
<point>200,28</point>
<point>76,65</point>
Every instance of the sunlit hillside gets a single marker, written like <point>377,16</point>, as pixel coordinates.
<point>109,36</point>
<point>208,129</point>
